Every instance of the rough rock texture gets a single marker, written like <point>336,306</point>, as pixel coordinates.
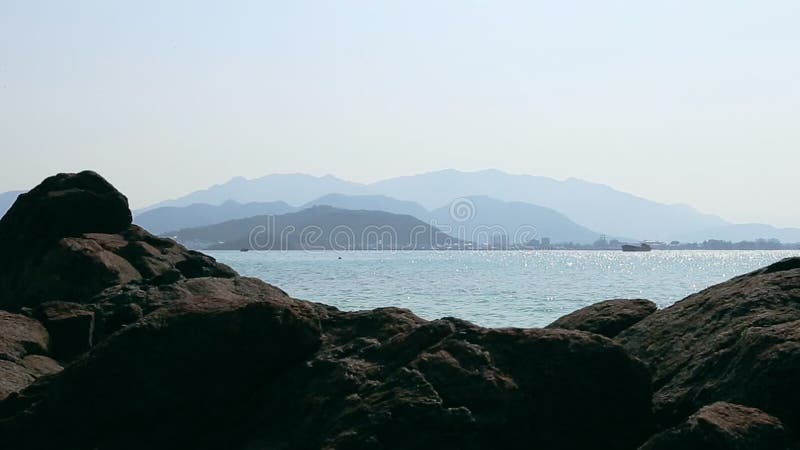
<point>724,426</point>
<point>208,372</point>
<point>186,354</point>
<point>608,318</point>
<point>23,344</point>
<point>71,237</point>
<point>738,341</point>
<point>165,348</point>
<point>450,384</point>
<point>181,370</point>
<point>71,326</point>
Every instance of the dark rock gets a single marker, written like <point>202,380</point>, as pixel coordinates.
<point>23,344</point>
<point>64,205</point>
<point>257,369</point>
<point>71,327</point>
<point>608,318</point>
<point>738,341</point>
<point>114,317</point>
<point>20,336</point>
<point>724,426</point>
<point>163,381</point>
<point>451,384</point>
<point>189,355</point>
<point>78,227</point>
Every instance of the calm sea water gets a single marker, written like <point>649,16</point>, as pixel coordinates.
<point>493,288</point>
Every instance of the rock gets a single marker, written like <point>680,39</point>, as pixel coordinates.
<point>187,354</point>
<point>738,341</point>
<point>724,426</point>
<point>166,379</point>
<point>257,369</point>
<point>71,327</point>
<point>23,343</point>
<point>78,227</point>
<point>40,365</point>
<point>20,336</point>
<point>64,205</point>
<point>608,318</point>
<point>451,384</point>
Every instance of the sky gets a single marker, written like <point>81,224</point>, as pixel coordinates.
<point>694,102</point>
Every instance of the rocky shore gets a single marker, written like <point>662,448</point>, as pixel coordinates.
<point>112,338</point>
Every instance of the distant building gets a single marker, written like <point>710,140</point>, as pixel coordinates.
<point>545,242</point>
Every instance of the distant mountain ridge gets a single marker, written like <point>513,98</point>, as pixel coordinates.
<point>594,206</point>
<point>484,220</point>
<point>173,218</point>
<point>372,203</point>
<point>294,189</point>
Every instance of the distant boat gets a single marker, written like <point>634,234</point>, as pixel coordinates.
<point>244,249</point>
<point>636,248</point>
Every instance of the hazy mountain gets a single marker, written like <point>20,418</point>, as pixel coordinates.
<point>482,219</point>
<point>171,218</point>
<point>318,228</point>
<point>743,232</point>
<point>594,206</point>
<point>372,203</point>
<point>295,189</point>
<point>7,199</point>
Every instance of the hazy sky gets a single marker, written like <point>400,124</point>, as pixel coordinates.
<point>695,102</point>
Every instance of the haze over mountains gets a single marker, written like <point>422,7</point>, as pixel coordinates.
<point>564,211</point>
<point>595,208</point>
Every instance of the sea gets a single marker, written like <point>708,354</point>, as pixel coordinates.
<point>493,288</point>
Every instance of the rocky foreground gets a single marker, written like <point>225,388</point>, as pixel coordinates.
<point>113,338</point>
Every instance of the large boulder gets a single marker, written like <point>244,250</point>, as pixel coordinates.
<point>71,237</point>
<point>273,372</point>
<point>724,426</point>
<point>405,383</point>
<point>165,380</point>
<point>24,343</point>
<point>738,341</point>
<point>608,318</point>
<point>67,204</point>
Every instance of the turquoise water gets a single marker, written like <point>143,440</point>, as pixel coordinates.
<point>493,288</point>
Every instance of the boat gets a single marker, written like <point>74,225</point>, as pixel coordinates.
<point>636,248</point>
<point>243,249</point>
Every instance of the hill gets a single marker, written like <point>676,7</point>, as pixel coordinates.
<point>294,189</point>
<point>485,220</point>
<point>594,206</point>
<point>372,203</point>
<point>171,218</point>
<point>319,228</point>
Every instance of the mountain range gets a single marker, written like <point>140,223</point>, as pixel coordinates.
<point>569,210</point>
<point>593,206</point>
